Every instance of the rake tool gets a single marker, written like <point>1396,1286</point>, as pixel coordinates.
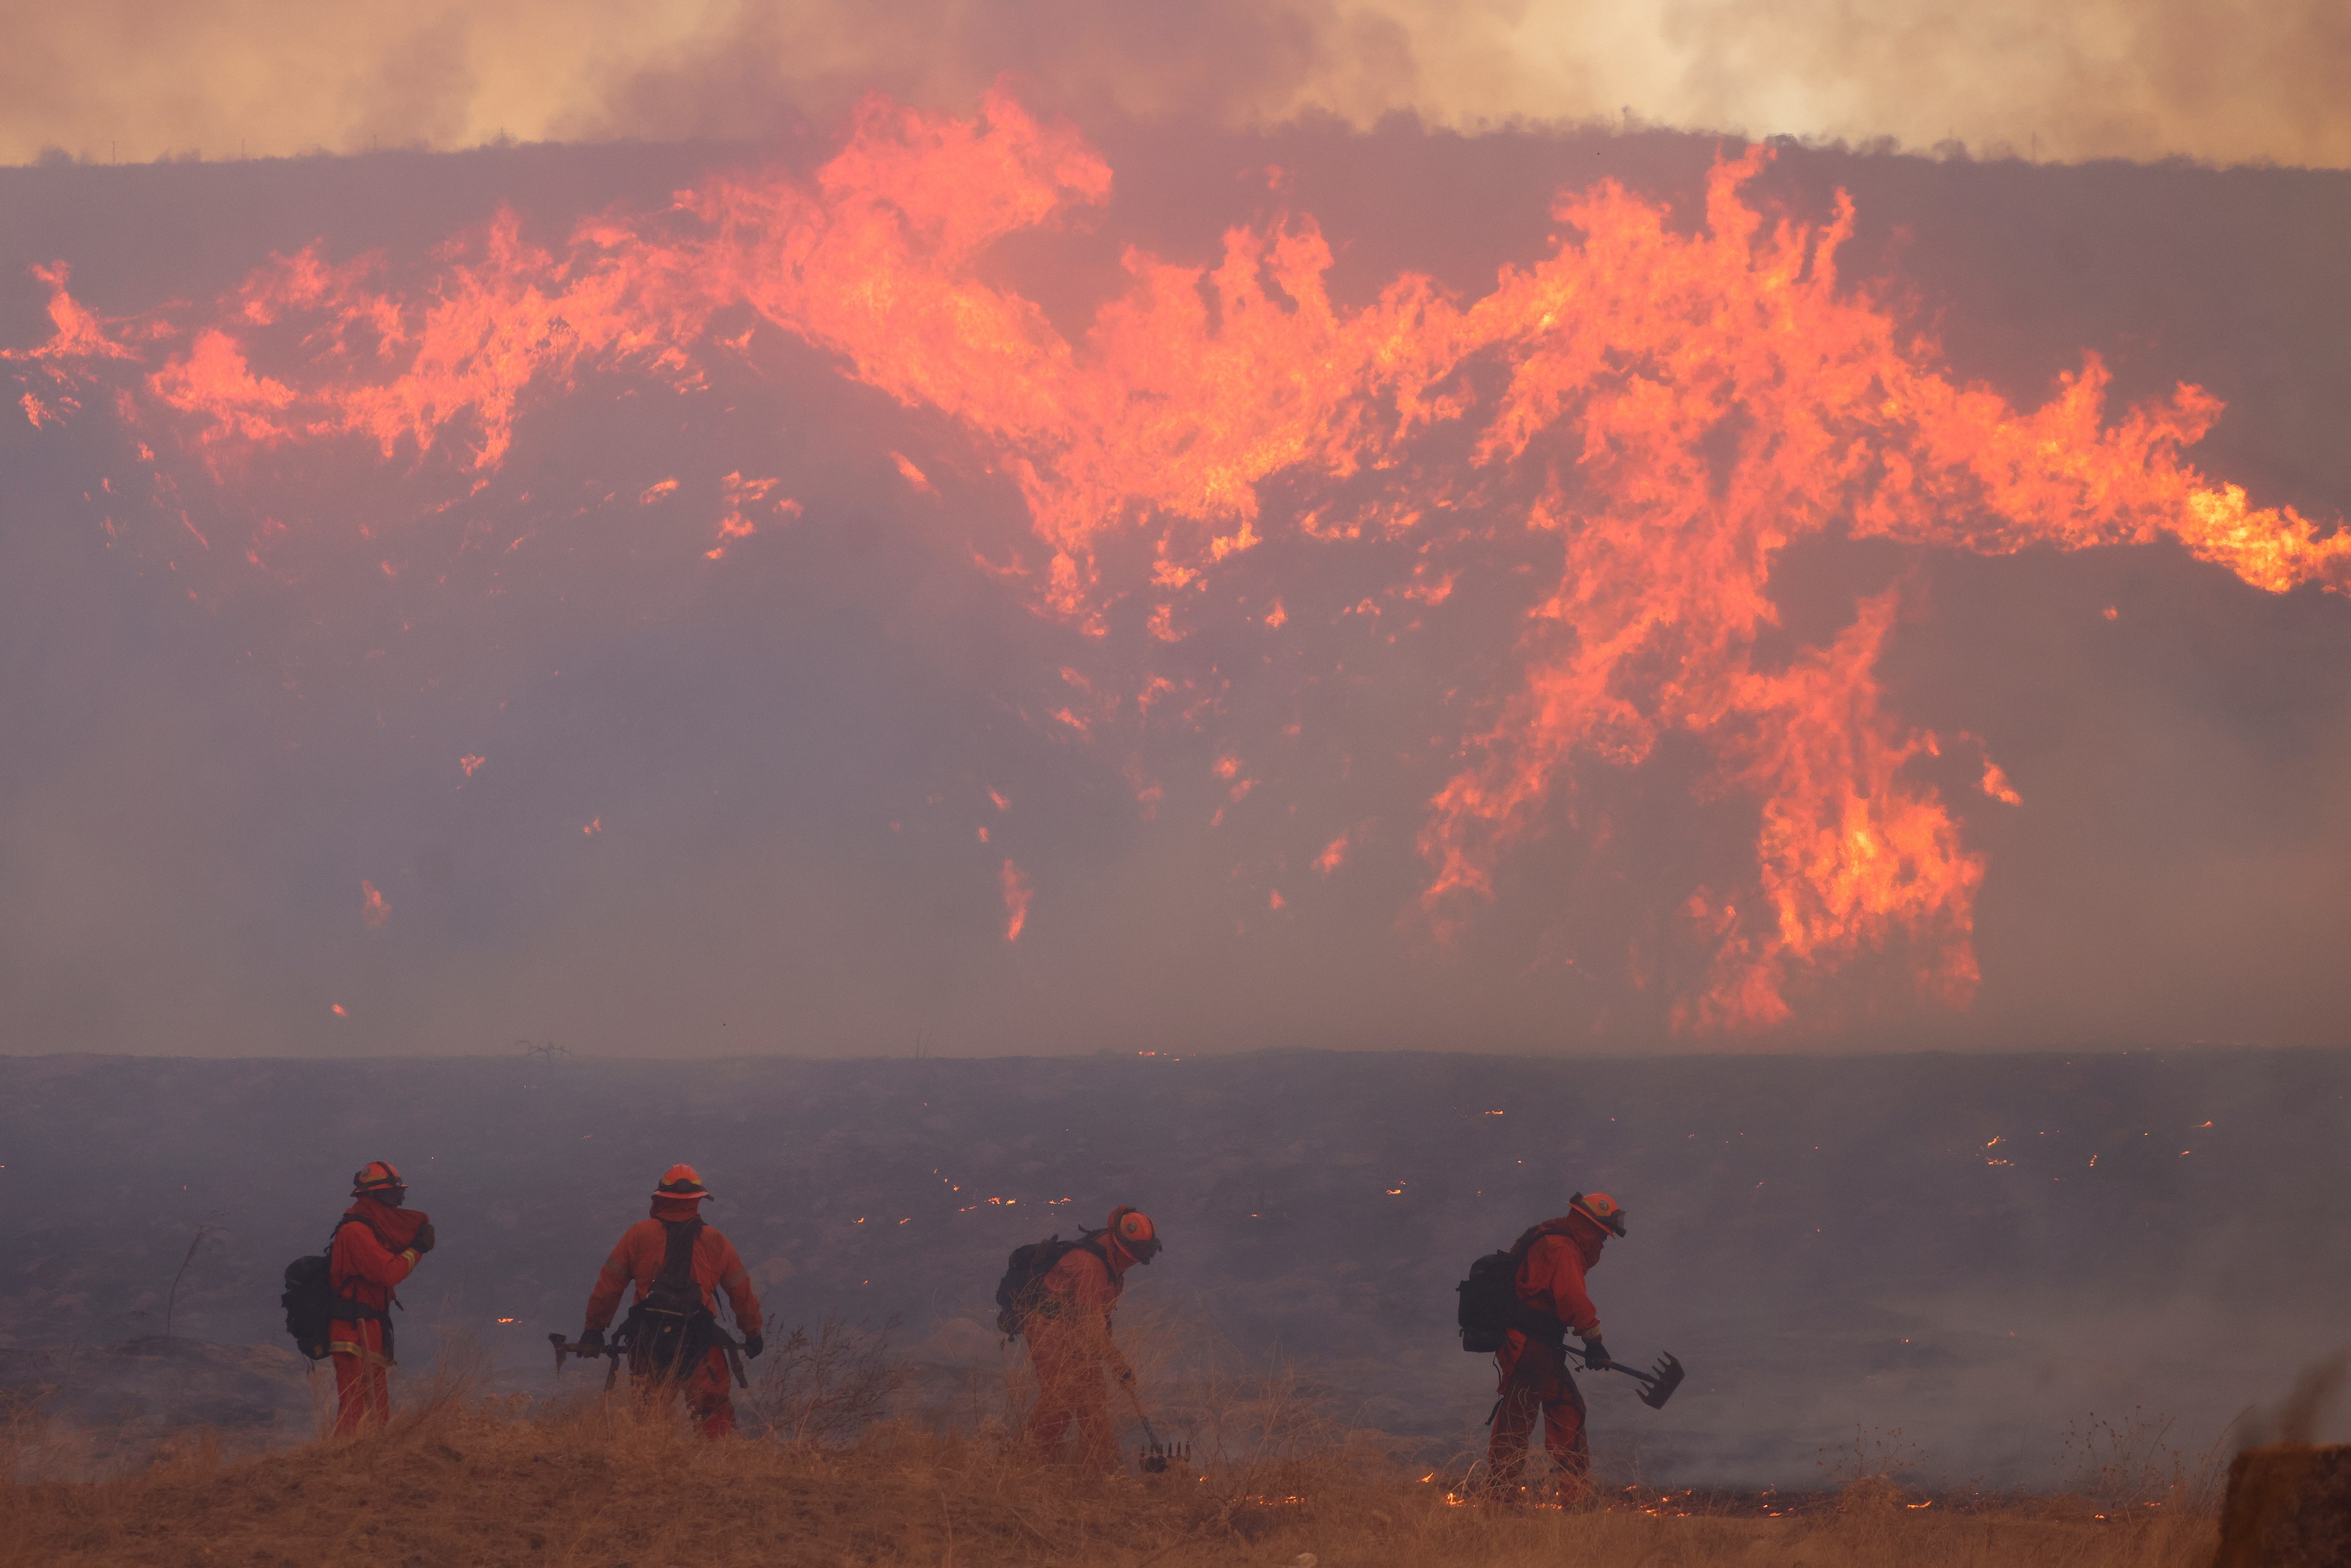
<point>1158,1456</point>
<point>1661,1383</point>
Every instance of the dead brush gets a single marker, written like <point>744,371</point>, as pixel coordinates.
<point>604,1483</point>
<point>36,1447</point>
<point>2126,1464</point>
<point>827,1386</point>
<point>463,1476</point>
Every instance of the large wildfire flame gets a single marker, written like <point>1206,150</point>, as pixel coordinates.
<point>1650,416</point>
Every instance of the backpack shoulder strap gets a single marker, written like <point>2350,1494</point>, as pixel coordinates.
<point>1526,1241</point>
<point>346,1304</point>
<point>336,1234</point>
<point>677,1260</point>
<point>1092,1244</point>
<point>380,1238</point>
<point>1532,1323</point>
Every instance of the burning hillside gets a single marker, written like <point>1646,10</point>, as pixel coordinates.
<point>1490,590</point>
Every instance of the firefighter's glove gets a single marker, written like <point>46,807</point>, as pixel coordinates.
<point>753,1343</point>
<point>1595,1356</point>
<point>592,1338</point>
<point>424,1238</point>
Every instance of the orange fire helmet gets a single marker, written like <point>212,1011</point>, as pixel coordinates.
<point>1601,1209</point>
<point>375,1176</point>
<point>679,1181</point>
<point>1135,1232</point>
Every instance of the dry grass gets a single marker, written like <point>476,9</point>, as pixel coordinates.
<point>609,1483</point>
<point>857,1461</point>
<point>826,1386</point>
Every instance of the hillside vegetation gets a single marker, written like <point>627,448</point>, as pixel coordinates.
<point>607,1483</point>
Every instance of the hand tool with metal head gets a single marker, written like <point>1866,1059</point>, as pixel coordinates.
<point>1158,1456</point>
<point>612,1353</point>
<point>1661,1383</point>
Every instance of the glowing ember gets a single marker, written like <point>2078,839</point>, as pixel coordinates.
<point>1334,856</point>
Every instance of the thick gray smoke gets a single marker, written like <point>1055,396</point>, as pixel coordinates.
<point>767,802</point>
<point>437,770</point>
<point>2199,78</point>
<point>1985,1267</point>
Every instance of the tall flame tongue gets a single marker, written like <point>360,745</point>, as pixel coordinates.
<point>1665,411</point>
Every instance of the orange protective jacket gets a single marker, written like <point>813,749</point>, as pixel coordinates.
<point>638,1259</point>
<point>1081,1292</point>
<point>1550,1280</point>
<point>369,1259</point>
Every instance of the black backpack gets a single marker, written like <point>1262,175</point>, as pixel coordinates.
<point>1021,1293</point>
<point>669,1330</point>
<point>309,1303</point>
<point>1490,1306</point>
<point>312,1304</point>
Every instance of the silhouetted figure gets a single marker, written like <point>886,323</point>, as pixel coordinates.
<point>377,1245</point>
<point>1068,1325</point>
<point>677,1264</point>
<point>1553,1257</point>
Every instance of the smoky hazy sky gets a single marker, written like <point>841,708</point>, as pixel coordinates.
<point>2221,80</point>
<point>718,683</point>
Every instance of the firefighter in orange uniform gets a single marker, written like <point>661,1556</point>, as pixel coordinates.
<point>1553,1258</point>
<point>377,1244</point>
<point>673,1335</point>
<point>1070,1340</point>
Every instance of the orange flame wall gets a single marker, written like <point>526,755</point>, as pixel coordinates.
<point>1629,432</point>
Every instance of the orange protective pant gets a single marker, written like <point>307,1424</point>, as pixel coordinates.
<point>362,1376</point>
<point>1535,1381</point>
<point>1071,1385</point>
<point>709,1393</point>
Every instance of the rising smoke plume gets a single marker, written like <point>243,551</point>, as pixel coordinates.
<point>2203,78</point>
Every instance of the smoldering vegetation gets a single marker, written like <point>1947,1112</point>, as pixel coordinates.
<point>2003,1271</point>
<point>767,802</point>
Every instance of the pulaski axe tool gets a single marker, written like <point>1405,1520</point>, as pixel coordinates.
<point>611,1352</point>
<point>733,1349</point>
<point>1661,1383</point>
